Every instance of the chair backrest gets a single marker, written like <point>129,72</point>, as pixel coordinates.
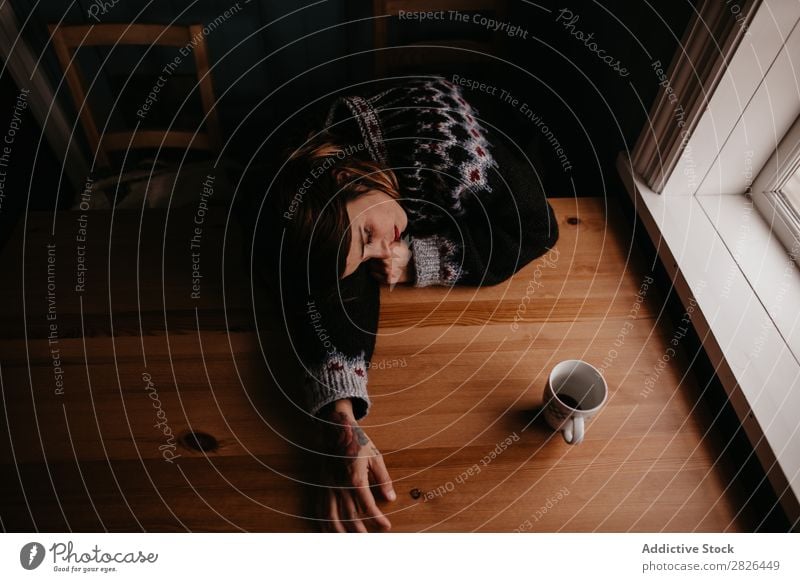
<point>388,60</point>
<point>67,38</point>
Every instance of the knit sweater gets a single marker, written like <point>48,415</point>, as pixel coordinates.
<point>476,215</point>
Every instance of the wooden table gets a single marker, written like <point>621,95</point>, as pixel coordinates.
<point>454,377</point>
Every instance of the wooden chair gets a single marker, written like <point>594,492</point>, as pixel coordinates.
<point>67,38</point>
<point>390,60</point>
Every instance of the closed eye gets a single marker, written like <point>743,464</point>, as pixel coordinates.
<point>365,238</point>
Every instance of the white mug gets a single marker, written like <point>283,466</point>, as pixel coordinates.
<point>575,392</point>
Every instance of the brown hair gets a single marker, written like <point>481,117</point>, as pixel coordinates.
<point>311,195</point>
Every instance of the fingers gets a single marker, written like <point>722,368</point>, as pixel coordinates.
<point>387,275</point>
<point>367,502</point>
<point>399,258</point>
<point>348,510</point>
<point>333,512</point>
<point>400,249</point>
<point>352,521</point>
<point>381,477</point>
<point>343,515</point>
<point>394,269</point>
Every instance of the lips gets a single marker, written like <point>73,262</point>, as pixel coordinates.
<point>396,233</point>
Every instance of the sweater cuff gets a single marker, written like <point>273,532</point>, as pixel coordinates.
<point>434,261</point>
<point>336,378</point>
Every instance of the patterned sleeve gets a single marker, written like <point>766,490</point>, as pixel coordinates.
<point>489,242</point>
<point>334,337</point>
<point>435,260</point>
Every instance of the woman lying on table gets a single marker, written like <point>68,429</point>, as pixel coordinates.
<point>402,186</point>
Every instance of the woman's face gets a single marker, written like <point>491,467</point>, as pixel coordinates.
<point>376,221</point>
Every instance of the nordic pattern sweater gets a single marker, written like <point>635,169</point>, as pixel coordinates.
<point>476,215</point>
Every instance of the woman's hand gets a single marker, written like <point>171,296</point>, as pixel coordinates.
<point>395,269</point>
<point>347,504</point>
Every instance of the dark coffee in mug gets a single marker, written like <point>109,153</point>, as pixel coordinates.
<point>574,393</point>
<point>569,401</point>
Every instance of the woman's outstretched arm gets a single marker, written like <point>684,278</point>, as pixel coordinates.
<point>333,335</point>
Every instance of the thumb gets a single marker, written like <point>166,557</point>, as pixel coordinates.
<point>381,477</point>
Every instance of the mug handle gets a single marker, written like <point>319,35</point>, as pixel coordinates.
<point>573,430</point>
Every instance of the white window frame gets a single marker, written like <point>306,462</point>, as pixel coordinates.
<point>768,194</point>
<point>692,196</point>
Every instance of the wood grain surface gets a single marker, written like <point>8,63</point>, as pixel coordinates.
<point>455,373</point>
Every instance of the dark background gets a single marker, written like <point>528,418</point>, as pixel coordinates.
<point>272,58</point>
